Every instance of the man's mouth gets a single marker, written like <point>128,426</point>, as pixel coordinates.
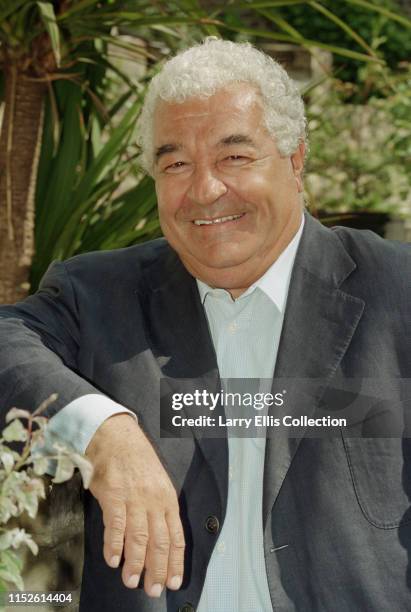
<point>218,219</point>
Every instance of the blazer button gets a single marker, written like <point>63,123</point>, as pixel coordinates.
<point>212,524</point>
<point>187,607</point>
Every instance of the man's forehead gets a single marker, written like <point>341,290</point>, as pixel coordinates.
<point>225,114</point>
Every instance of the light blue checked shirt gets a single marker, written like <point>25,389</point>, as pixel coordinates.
<point>246,334</point>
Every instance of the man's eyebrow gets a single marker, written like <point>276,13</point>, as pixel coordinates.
<point>166,148</point>
<point>237,139</point>
<point>226,141</point>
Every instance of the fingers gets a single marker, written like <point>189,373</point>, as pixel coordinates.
<point>114,517</point>
<point>135,547</point>
<point>157,555</point>
<point>150,540</point>
<point>176,553</point>
<point>156,544</point>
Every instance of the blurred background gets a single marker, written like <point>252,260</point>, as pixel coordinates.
<point>73,74</point>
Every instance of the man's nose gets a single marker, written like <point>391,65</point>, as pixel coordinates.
<point>206,187</point>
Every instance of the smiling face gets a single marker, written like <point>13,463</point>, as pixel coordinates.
<point>228,202</point>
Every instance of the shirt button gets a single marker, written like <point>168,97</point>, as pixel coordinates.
<point>212,524</point>
<point>232,328</point>
<point>230,473</point>
<point>221,547</point>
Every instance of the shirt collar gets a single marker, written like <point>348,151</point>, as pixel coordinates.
<point>275,280</point>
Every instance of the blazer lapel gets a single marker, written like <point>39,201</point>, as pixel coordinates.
<point>179,337</point>
<point>319,323</point>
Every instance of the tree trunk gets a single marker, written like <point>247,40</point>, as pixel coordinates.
<point>20,141</point>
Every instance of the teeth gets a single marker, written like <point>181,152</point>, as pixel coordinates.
<point>219,220</point>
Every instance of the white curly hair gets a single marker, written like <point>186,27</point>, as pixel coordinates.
<point>206,67</point>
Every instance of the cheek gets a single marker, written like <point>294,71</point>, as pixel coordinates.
<point>256,190</point>
<point>167,204</point>
<point>170,199</point>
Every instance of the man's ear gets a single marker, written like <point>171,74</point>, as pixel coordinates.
<point>297,161</point>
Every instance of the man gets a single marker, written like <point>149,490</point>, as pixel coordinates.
<point>244,286</point>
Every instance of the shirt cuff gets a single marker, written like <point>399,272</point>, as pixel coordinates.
<point>76,423</point>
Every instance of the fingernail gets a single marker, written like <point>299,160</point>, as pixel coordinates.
<point>132,581</point>
<point>175,582</point>
<point>155,590</point>
<point>114,561</point>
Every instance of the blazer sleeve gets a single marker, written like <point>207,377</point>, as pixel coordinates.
<point>39,343</point>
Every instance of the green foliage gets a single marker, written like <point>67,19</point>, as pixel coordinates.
<point>91,193</point>
<point>268,21</point>
<point>394,37</point>
<point>360,155</point>
<point>21,485</point>
<point>48,17</point>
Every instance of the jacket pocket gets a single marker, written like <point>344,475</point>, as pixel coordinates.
<point>380,470</point>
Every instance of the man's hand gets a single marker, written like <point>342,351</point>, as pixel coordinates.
<point>140,507</point>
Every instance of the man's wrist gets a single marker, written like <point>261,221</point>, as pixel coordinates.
<point>118,424</point>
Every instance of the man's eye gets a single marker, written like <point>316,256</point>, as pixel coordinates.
<point>175,166</point>
<point>235,159</point>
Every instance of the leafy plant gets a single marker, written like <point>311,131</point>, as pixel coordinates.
<point>21,485</point>
<point>360,154</point>
<point>91,193</point>
<point>395,38</point>
<point>315,24</point>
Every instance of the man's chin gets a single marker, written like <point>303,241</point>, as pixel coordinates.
<point>222,261</point>
<point>216,271</point>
